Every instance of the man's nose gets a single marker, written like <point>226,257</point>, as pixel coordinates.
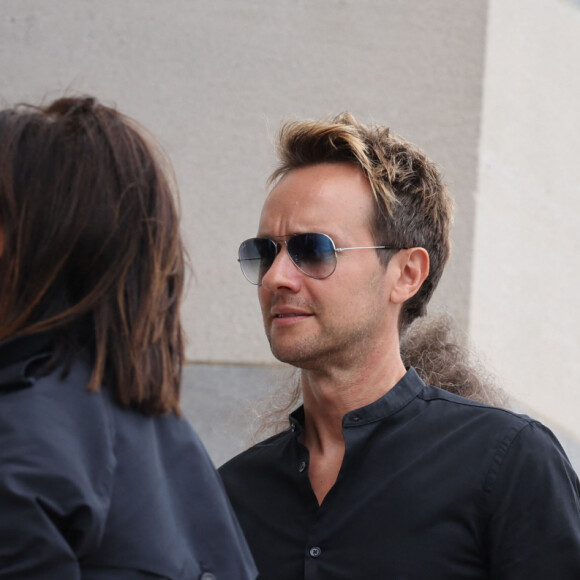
<point>283,273</point>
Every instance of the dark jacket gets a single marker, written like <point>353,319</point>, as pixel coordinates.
<point>90,490</point>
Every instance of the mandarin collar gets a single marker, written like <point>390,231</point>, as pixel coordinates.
<point>405,391</point>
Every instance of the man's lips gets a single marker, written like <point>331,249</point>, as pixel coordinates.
<point>290,315</point>
<point>286,312</point>
<point>287,315</point>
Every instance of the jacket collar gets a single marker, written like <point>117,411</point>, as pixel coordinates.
<point>17,356</point>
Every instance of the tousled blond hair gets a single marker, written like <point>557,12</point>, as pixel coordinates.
<point>414,208</point>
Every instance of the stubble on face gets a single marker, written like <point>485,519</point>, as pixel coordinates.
<point>347,313</point>
<point>335,340</point>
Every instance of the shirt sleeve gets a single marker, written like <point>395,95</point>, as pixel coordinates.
<point>56,466</point>
<point>534,498</point>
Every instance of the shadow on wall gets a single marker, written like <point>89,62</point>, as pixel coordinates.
<point>220,401</point>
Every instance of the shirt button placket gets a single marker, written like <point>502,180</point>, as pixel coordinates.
<point>313,562</point>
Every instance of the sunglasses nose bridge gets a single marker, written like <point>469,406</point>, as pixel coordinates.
<point>281,270</point>
<point>287,251</point>
<point>294,253</point>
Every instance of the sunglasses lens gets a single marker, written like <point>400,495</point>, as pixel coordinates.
<point>314,254</point>
<point>256,256</point>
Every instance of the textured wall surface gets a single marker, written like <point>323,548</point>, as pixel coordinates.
<point>495,103</point>
<point>213,79</point>
<point>525,311</point>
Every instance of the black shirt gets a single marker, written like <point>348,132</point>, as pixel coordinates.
<point>432,486</point>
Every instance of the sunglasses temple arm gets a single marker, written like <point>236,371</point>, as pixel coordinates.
<point>366,248</point>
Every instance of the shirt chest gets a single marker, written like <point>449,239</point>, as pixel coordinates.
<point>388,512</point>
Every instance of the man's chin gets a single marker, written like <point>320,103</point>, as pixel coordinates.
<point>285,354</point>
<point>298,357</point>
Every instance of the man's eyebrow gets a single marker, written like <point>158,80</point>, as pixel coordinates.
<point>278,237</point>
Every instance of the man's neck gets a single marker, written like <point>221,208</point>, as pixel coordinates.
<point>329,394</point>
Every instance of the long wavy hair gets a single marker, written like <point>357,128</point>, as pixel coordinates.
<point>91,249</point>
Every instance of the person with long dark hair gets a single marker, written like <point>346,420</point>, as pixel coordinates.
<point>100,476</point>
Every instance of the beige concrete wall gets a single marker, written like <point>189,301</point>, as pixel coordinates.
<point>213,79</point>
<point>525,310</point>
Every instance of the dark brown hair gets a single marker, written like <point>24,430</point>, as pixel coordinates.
<point>92,248</point>
<point>414,208</point>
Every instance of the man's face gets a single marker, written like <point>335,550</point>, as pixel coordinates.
<point>311,323</point>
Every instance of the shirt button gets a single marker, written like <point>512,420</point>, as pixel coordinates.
<point>207,576</point>
<point>302,466</point>
<point>315,551</point>
<point>355,418</point>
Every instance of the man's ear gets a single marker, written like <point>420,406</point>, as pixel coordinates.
<point>410,268</point>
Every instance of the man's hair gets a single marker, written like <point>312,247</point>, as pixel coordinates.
<point>414,208</point>
<point>442,356</point>
<point>92,248</point>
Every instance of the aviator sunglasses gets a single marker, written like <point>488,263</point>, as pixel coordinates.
<point>313,254</point>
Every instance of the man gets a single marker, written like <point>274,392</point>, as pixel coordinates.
<point>380,476</point>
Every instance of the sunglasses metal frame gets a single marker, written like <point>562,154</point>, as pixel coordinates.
<point>278,245</point>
